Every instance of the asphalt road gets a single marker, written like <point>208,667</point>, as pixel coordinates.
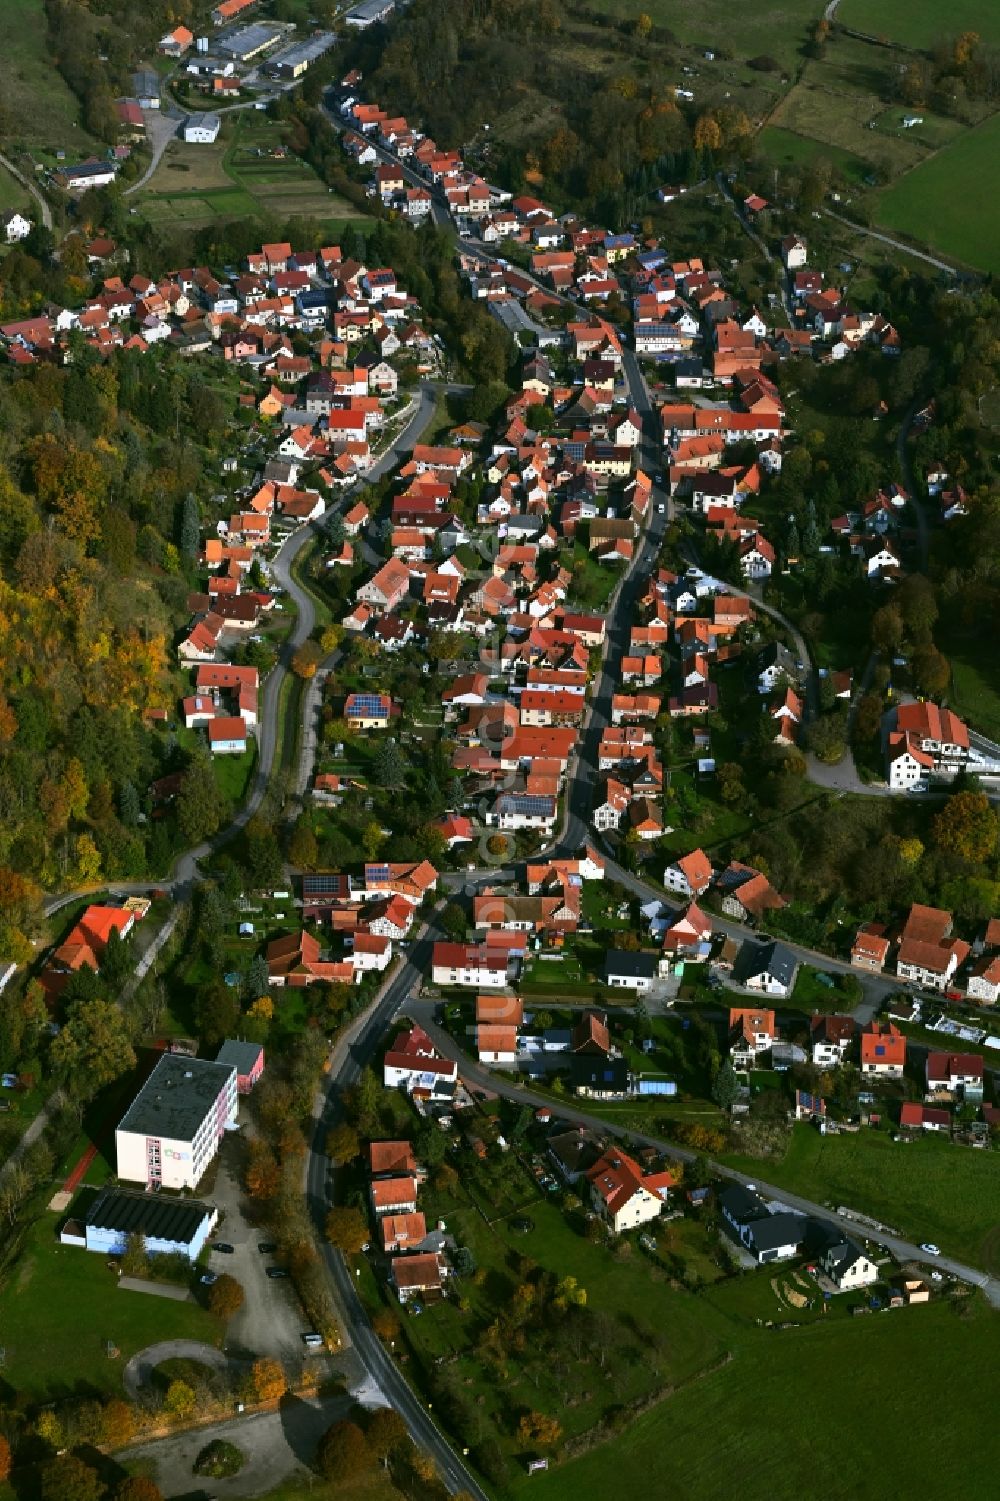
<point>353,1051</point>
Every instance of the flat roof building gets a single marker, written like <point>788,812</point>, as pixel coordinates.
<point>168,1226</point>
<point>249,41</point>
<point>171,1131</point>
<point>368,12</point>
<point>294,60</point>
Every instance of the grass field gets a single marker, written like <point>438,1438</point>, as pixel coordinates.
<point>799,1409</point>
<point>196,185</point>
<point>62,1304</point>
<point>12,195</point>
<point>744,28</point>
<point>839,96</point>
<point>924,23</point>
<point>922,203</point>
<point>788,149</point>
<point>929,1189</point>
<point>41,104</point>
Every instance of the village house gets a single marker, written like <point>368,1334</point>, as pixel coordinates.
<point>883,1051</point>
<point>752,1032</point>
<point>623,1195</point>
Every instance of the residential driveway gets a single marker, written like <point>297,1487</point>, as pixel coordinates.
<point>139,1370</point>
<point>276,1445</point>
<point>270,1321</point>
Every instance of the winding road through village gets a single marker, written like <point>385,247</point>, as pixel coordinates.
<point>400,994</point>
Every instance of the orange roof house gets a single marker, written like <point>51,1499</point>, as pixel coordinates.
<point>391,1157</point>
<point>883,1050</point>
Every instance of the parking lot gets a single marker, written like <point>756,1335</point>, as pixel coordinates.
<point>270,1321</point>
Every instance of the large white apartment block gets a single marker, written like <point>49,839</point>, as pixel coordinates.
<point>173,1128</point>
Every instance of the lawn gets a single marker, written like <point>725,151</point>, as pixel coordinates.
<point>922,203</point>
<point>930,1189</point>
<point>59,1307</point>
<point>975,686</point>
<point>792,1411</point>
<point>13,195</point>
<point>922,25</point>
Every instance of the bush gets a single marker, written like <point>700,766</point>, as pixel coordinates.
<point>219,1459</point>
<point>764,63</point>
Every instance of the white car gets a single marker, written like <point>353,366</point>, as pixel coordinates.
<point>930,1248</point>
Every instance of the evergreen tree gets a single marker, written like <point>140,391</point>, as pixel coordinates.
<point>190,527</point>
<point>129,807</point>
<point>389,766</point>
<point>257,982</point>
<point>810,531</point>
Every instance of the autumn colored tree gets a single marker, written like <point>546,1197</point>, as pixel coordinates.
<point>386,1324</point>
<point>5,1460</point>
<point>269,1381</point>
<point>569,1294</point>
<point>537,1430</point>
<point>263,1175</point>
<point>343,1452</point>
<point>225,1297</point>
<point>118,1423</point>
<point>386,1432</point>
<point>967,826</point>
<point>138,1488</point>
<point>346,1229</point>
<point>307,659</point>
<point>707,133</point>
<point>343,1144</point>
<point>68,1478</point>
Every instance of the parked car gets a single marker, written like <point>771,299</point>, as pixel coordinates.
<point>223,1247</point>
<point>276,1272</point>
<point>207,1278</point>
<point>267,1247</point>
<point>930,1248</point>
<point>312,1339</point>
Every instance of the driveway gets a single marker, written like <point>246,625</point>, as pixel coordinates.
<point>271,1321</point>
<point>276,1445</point>
<point>138,1373</point>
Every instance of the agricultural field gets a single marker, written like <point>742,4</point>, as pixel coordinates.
<point>921,23</point>
<point>765,1402</point>
<point>931,1187</point>
<point>922,203</point>
<point>41,107</point>
<point>238,177</point>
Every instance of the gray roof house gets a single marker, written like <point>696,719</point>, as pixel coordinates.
<point>767,967</point>
<point>630,971</point>
<point>766,1236</point>
<point>774,663</point>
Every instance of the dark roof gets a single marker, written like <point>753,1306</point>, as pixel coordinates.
<point>151,1215</point>
<point>176,1097</point>
<point>624,962</point>
<point>741,1205</point>
<point>241,1055</point>
<point>774,1230</point>
<point>599,1073</point>
<point>764,958</point>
